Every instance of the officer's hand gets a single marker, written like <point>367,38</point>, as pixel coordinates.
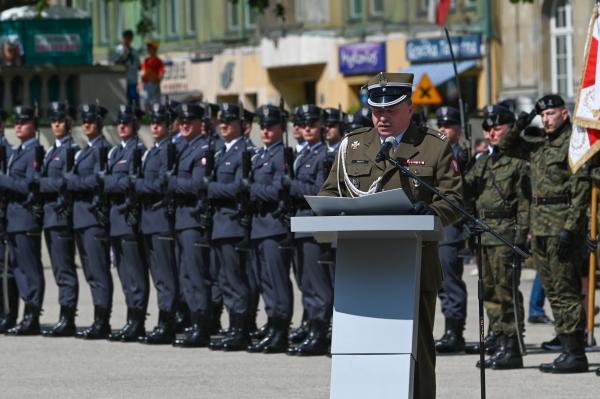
<point>286,182</point>
<point>564,244</point>
<point>423,208</point>
<point>525,119</point>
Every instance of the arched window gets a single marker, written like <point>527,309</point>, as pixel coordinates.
<point>561,48</point>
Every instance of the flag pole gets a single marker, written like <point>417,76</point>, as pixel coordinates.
<point>593,263</point>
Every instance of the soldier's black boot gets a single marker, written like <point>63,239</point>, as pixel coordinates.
<point>297,335</point>
<point>509,357</point>
<point>118,335</point>
<point>452,341</point>
<point>137,328</point>
<point>316,343</point>
<point>197,335</point>
<point>261,332</point>
<point>238,337</point>
<point>65,327</point>
<point>262,335</point>
<point>215,319</point>
<point>30,325</point>
<point>9,320</point>
<point>490,344</point>
<point>164,332</point>
<point>278,339</point>
<point>554,345</point>
<point>182,317</point>
<point>100,328</point>
<point>501,341</point>
<point>572,359</point>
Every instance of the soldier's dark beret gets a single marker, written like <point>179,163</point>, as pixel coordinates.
<point>549,101</point>
<point>495,115</point>
<point>92,112</point>
<point>269,115</point>
<point>447,116</point>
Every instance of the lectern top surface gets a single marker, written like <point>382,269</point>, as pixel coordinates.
<point>391,202</point>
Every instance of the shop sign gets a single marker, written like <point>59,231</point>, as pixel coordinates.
<point>57,43</point>
<point>427,50</point>
<point>361,58</point>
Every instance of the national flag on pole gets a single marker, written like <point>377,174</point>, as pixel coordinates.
<point>441,13</point>
<point>585,138</point>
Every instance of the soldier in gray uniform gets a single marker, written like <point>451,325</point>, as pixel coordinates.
<point>333,123</point>
<point>268,233</point>
<point>315,284</point>
<point>58,222</point>
<point>21,182</point>
<point>361,118</point>
<point>10,310</point>
<point>157,223</point>
<point>90,219</point>
<point>224,192</point>
<point>194,262</point>
<point>124,161</point>
<point>453,295</point>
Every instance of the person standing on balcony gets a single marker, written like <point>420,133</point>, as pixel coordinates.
<point>128,56</point>
<point>153,71</point>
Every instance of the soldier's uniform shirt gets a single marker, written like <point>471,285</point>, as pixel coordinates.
<point>559,201</point>
<point>500,185</point>
<point>57,227</point>
<point>8,148</point>
<point>127,248</point>
<point>429,155</point>
<point>23,225</point>
<point>91,235</point>
<point>273,263</point>
<point>156,226</point>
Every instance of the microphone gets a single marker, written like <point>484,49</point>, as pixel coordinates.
<point>385,149</point>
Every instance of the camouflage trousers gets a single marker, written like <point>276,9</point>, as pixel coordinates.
<point>562,283</point>
<point>497,270</point>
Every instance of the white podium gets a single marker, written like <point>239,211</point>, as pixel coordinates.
<point>376,303</point>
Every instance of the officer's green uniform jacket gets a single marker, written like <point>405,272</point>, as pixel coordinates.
<point>559,198</point>
<point>500,185</point>
<point>429,155</point>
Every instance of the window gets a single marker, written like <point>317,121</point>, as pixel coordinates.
<point>312,11</point>
<point>87,6</point>
<point>250,15</point>
<point>104,15</point>
<point>377,8</point>
<point>190,16</point>
<point>173,18</point>
<point>233,22</point>
<point>561,48</point>
<point>356,9</point>
<point>155,16</point>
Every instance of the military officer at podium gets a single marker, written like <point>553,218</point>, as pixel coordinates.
<point>427,153</point>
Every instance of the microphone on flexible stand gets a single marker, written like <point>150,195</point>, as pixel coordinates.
<point>382,155</point>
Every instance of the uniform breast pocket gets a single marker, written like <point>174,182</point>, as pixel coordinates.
<point>425,173</point>
<point>556,168</point>
<point>226,173</point>
<point>56,165</point>
<point>359,169</point>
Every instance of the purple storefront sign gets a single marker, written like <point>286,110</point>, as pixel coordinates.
<point>362,58</point>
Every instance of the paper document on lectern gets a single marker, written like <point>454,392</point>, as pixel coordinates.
<point>392,202</point>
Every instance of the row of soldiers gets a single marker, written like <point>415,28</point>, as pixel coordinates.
<point>204,215</point>
<point>523,188</point>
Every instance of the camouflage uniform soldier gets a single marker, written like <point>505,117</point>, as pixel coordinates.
<point>558,206</point>
<point>501,186</point>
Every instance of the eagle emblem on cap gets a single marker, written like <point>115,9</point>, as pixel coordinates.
<point>184,107</point>
<point>305,108</point>
<point>444,111</point>
<point>265,111</point>
<point>123,108</point>
<point>350,118</point>
<point>225,107</point>
<point>489,121</point>
<point>86,108</point>
<point>382,79</point>
<point>542,104</point>
<point>156,107</point>
<point>489,109</point>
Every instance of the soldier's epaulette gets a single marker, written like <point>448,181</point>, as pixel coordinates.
<point>435,133</point>
<point>359,130</point>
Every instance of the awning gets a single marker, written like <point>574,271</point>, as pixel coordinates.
<point>438,72</point>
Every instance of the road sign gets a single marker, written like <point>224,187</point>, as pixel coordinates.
<point>426,93</point>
